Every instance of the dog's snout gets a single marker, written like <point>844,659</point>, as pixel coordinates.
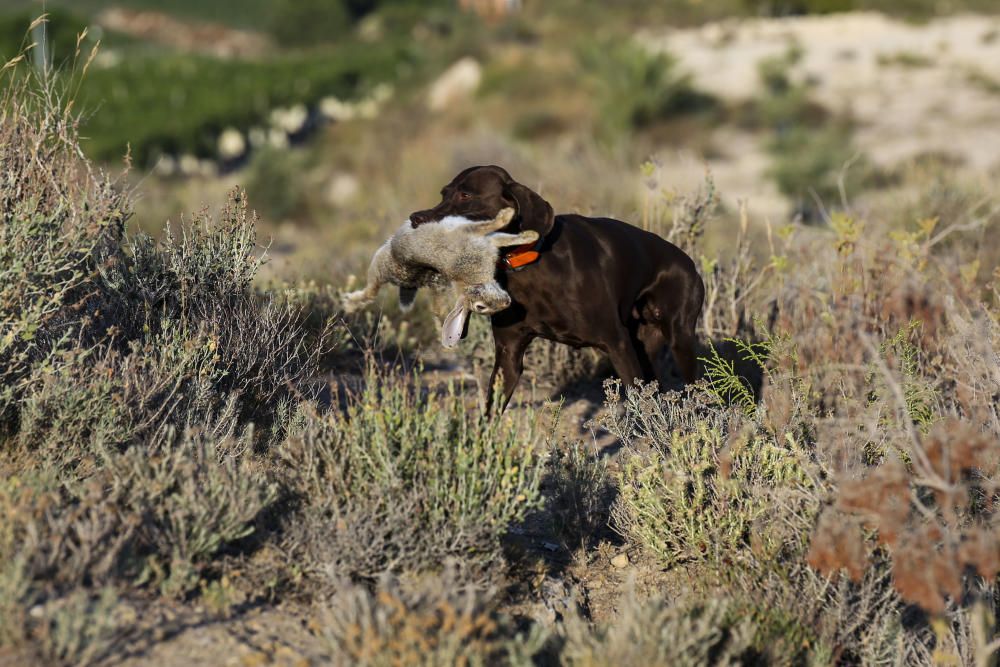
<point>420,218</point>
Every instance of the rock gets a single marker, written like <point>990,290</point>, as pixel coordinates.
<point>342,189</point>
<point>277,138</point>
<point>457,83</point>
<point>257,137</point>
<point>382,93</point>
<point>231,144</point>
<point>188,165</point>
<point>165,166</point>
<point>333,109</point>
<point>620,561</point>
<point>367,109</point>
<point>290,121</point>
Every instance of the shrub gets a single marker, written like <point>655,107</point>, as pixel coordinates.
<point>437,621</point>
<point>638,89</point>
<point>580,491</point>
<point>142,382</point>
<point>698,494</point>
<point>61,29</point>
<point>301,23</point>
<point>180,103</point>
<point>655,632</point>
<point>61,222</point>
<point>405,480</point>
<point>59,550</point>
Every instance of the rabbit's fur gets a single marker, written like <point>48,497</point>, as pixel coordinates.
<point>454,251</point>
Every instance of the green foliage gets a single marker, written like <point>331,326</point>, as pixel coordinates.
<point>300,23</point>
<point>581,492</point>
<point>275,176</point>
<point>438,621</point>
<point>811,155</point>
<point>658,632</point>
<point>81,628</point>
<point>917,393</point>
<point>726,385</point>
<point>178,104</point>
<point>695,497</point>
<point>237,13</point>
<point>62,28</point>
<point>809,164</point>
<point>194,494</point>
<point>636,88</point>
<point>405,481</point>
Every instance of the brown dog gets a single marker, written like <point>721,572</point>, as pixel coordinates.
<point>598,283</point>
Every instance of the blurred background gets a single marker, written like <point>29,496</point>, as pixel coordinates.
<point>341,116</point>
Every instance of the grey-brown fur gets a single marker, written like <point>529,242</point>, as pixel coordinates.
<point>450,251</point>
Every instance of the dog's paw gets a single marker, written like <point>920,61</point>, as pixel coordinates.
<point>529,236</point>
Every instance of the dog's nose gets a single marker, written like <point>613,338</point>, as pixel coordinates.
<point>420,218</point>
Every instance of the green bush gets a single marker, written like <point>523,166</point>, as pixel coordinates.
<point>300,23</point>
<point>637,89</point>
<point>405,481</point>
<point>438,621</point>
<point>194,494</point>
<point>813,157</point>
<point>657,632</point>
<point>697,497</point>
<point>61,28</point>
<point>174,104</point>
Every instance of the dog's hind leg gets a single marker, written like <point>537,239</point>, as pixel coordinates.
<point>649,342</point>
<point>675,310</point>
<point>625,359</point>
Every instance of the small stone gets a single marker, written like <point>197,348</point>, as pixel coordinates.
<point>620,561</point>
<point>456,84</point>
<point>232,145</point>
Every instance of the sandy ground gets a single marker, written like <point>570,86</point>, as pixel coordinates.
<point>912,89</point>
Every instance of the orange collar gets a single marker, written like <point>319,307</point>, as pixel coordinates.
<point>521,256</point>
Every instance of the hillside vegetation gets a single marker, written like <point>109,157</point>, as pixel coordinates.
<point>824,495</point>
<point>202,461</point>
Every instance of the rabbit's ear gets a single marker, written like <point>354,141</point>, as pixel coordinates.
<point>533,212</point>
<point>455,322</point>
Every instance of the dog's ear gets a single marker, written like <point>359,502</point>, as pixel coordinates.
<point>533,212</point>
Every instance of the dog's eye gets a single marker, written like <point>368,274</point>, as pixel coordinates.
<point>464,195</point>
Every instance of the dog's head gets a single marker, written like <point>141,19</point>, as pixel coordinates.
<point>480,193</point>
